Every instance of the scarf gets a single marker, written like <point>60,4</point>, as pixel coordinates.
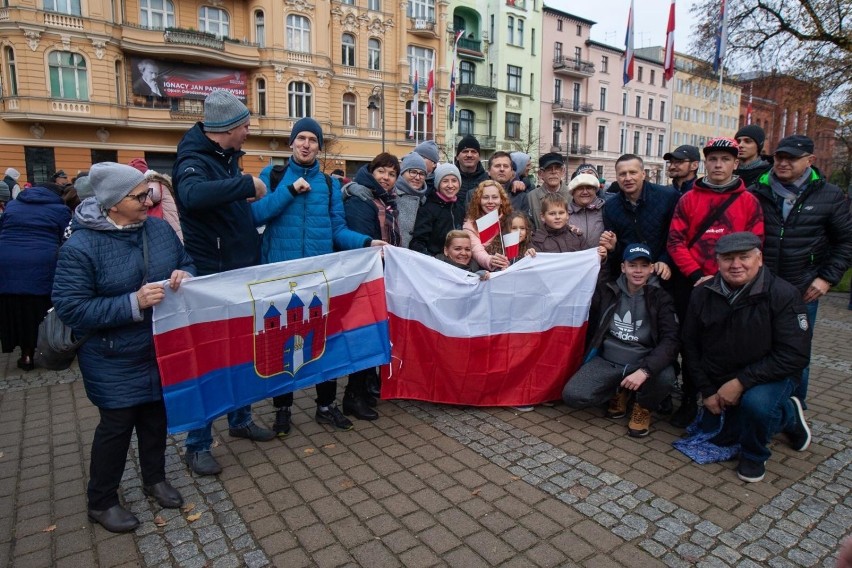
<point>786,194</point>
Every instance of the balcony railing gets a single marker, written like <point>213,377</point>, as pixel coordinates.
<point>474,91</point>
<point>470,44</point>
<point>192,37</point>
<point>485,142</point>
<point>421,26</point>
<point>572,107</point>
<point>58,20</point>
<point>577,150</point>
<point>572,66</point>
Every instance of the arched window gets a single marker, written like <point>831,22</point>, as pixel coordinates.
<point>11,72</point>
<point>214,21</point>
<point>347,56</point>
<point>374,55</point>
<point>260,88</point>
<point>68,79</point>
<point>466,119</point>
<point>299,99</point>
<point>259,29</point>
<point>156,14</point>
<point>350,110</point>
<point>298,33</point>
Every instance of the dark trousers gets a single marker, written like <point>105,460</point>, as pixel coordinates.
<point>598,380</point>
<point>358,381</point>
<point>681,288</point>
<point>110,445</point>
<point>326,393</point>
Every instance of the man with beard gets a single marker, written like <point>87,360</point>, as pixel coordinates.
<point>683,165</point>
<point>752,165</point>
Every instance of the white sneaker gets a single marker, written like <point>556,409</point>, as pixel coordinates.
<point>523,408</point>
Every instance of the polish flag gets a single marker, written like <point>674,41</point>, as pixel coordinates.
<point>628,47</point>
<point>430,91</point>
<point>669,58</point>
<point>512,244</point>
<point>227,340</point>
<point>488,226</point>
<point>511,340</point>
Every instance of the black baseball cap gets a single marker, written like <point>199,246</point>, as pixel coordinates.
<point>795,145</point>
<point>551,158</point>
<point>685,152</point>
<point>636,251</point>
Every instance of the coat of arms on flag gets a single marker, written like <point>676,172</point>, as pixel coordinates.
<point>290,318</point>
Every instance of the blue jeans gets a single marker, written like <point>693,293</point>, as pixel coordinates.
<point>802,390</point>
<point>201,439</point>
<point>763,411</point>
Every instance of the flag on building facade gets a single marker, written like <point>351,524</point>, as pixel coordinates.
<point>628,47</point>
<point>430,90</point>
<point>669,57</point>
<point>512,244</point>
<point>749,109</point>
<point>721,38</point>
<point>488,226</point>
<point>415,105</point>
<point>459,34</point>
<point>511,340</point>
<point>227,340</point>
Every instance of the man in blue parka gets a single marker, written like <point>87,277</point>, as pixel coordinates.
<point>304,217</point>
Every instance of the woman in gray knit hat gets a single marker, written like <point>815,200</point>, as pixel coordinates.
<point>109,276</point>
<point>410,189</point>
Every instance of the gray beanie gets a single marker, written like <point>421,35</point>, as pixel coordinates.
<point>412,161</point>
<point>83,185</point>
<point>112,182</point>
<point>444,170</point>
<point>223,111</point>
<point>428,150</point>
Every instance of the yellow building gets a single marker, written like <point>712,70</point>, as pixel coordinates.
<point>93,80</point>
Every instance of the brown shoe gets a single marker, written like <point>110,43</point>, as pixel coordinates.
<point>640,422</point>
<point>618,404</point>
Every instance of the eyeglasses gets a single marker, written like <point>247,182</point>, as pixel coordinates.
<point>141,197</point>
<point>416,173</point>
<point>789,159</point>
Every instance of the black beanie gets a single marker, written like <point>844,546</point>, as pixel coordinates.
<point>754,132</point>
<point>467,142</point>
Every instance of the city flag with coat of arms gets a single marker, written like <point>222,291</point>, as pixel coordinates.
<point>511,340</point>
<point>227,340</point>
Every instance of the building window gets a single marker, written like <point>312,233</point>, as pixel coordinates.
<point>676,139</point>
<point>601,138</point>
<point>638,106</point>
<point>660,141</point>
<point>513,126</point>
<point>466,120</point>
<point>636,142</point>
<point>374,55</point>
<point>423,128</point>
<point>213,21</point>
<point>40,163</point>
<point>12,72</point>
<point>575,99</point>
<point>422,9</point>
<point>558,25</point>
<point>662,111</point>
<point>119,83</point>
<point>375,5</point>
<point>532,41</point>
<point>520,35</point>
<point>298,33</point>
<point>259,29</point>
<point>578,53</point>
<point>603,98</point>
<point>421,60</point>
<point>68,79</point>
<point>653,73</point>
<point>557,90</point>
<point>649,141</point>
<point>622,141</point>
<point>557,133</point>
<point>557,51</point>
<point>299,99</point>
<point>63,6</point>
<point>156,14</point>
<point>98,156</point>
<point>575,135</point>
<point>349,110</point>
<point>510,33</point>
<point>260,88</point>
<point>604,64</point>
<point>347,56</point>
<point>623,103</point>
<point>579,30</point>
<point>650,108</point>
<point>640,73</point>
<point>513,79</point>
<point>491,27</point>
<point>348,2</point>
<point>467,73</point>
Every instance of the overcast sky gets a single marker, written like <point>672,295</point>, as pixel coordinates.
<point>650,20</point>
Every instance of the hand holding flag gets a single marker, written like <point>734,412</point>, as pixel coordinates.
<point>488,226</point>
<point>512,244</point>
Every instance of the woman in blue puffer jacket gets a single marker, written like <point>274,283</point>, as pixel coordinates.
<point>108,277</point>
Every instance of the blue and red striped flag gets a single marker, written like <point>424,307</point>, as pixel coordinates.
<point>721,39</point>
<point>628,47</point>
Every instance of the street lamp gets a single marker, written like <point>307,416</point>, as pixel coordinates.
<point>378,94</point>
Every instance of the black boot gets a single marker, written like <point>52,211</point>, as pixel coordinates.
<point>374,386</point>
<point>354,405</point>
<point>686,413</point>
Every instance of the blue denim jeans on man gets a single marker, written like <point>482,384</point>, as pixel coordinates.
<point>200,439</point>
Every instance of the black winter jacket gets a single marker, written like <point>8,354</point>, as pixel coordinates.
<point>664,326</point>
<point>816,238</point>
<point>762,338</point>
<point>211,193</point>
<point>435,219</point>
<point>470,181</point>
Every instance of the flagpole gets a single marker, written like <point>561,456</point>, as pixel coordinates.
<point>719,103</point>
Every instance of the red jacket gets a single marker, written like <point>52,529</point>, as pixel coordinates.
<point>744,214</point>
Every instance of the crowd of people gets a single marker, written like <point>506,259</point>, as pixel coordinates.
<point>715,280</point>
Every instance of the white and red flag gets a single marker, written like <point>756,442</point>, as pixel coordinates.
<point>488,226</point>
<point>430,91</point>
<point>628,47</point>
<point>512,244</point>
<point>511,340</point>
<point>669,57</point>
<point>415,105</point>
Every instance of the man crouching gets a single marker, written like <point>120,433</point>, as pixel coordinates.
<point>746,342</point>
<point>633,329</point>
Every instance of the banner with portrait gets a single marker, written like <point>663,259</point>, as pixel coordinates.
<point>172,79</point>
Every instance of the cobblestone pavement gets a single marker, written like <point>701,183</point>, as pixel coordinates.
<point>429,485</point>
